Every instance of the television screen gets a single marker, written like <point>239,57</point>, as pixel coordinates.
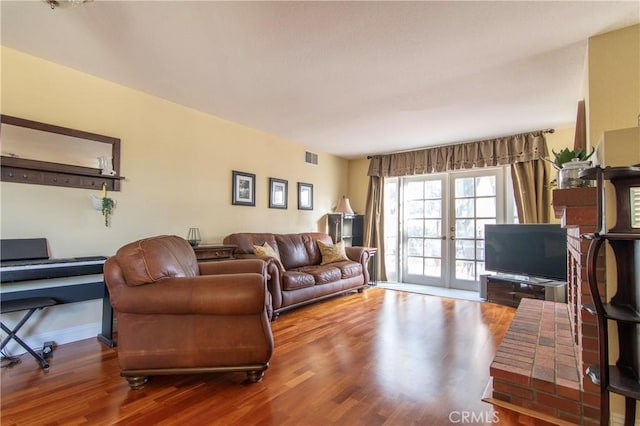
<point>532,250</point>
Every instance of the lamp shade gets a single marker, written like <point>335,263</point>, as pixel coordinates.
<point>344,206</point>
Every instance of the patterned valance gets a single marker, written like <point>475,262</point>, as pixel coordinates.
<point>493,152</point>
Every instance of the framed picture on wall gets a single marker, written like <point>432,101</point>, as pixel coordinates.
<point>244,189</point>
<point>278,194</point>
<point>305,196</point>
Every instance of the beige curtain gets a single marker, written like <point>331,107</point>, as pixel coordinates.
<point>530,176</point>
<point>374,225</point>
<point>531,190</point>
<point>492,152</point>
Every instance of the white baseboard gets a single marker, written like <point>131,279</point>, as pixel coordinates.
<point>60,337</point>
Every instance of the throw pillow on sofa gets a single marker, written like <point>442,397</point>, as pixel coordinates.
<point>265,251</point>
<point>332,253</point>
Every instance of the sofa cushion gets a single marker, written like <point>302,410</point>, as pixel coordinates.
<point>322,274</point>
<point>265,251</point>
<point>298,250</point>
<point>152,259</point>
<point>294,252</point>
<point>348,269</point>
<point>292,280</point>
<point>332,253</point>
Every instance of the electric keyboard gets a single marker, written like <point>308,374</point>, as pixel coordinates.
<point>27,272</point>
<point>41,269</point>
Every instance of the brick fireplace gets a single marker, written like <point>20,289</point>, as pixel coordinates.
<point>578,212</point>
<point>540,365</point>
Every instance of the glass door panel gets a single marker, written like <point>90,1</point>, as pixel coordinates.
<point>476,197</point>
<point>423,230</point>
<point>442,228</point>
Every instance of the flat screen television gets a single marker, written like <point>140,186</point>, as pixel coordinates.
<point>532,251</point>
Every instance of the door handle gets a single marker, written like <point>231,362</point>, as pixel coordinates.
<point>453,237</point>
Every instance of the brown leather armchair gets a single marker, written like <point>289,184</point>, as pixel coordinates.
<point>176,316</point>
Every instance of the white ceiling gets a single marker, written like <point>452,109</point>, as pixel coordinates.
<point>348,78</point>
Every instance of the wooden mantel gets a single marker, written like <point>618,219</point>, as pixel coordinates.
<point>575,206</point>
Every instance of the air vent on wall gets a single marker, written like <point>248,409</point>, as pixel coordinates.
<point>310,157</point>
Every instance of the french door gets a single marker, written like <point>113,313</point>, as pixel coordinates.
<point>442,226</point>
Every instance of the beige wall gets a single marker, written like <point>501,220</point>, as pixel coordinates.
<point>614,81</point>
<point>177,163</point>
<point>358,184</point>
<point>561,138</point>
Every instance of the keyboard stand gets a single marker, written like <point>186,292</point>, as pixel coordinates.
<point>30,305</point>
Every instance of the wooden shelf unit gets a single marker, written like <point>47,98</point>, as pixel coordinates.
<point>624,240</point>
<point>346,227</point>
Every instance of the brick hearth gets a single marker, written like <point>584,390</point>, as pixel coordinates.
<point>536,366</point>
<point>540,365</point>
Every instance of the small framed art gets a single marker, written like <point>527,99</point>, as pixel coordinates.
<point>305,196</point>
<point>278,194</point>
<point>244,189</point>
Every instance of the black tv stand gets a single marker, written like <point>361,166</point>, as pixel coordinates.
<point>522,278</point>
<point>510,289</point>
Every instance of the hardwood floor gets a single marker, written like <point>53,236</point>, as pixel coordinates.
<point>372,358</point>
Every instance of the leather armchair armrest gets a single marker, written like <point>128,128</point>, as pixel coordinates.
<point>245,256</point>
<point>233,294</point>
<point>274,271</point>
<point>272,267</point>
<point>236,266</point>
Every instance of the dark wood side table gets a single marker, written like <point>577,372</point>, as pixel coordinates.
<point>209,252</point>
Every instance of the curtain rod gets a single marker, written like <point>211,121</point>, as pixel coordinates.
<point>369,157</point>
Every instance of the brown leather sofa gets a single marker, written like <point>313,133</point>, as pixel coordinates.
<point>176,316</point>
<point>299,278</point>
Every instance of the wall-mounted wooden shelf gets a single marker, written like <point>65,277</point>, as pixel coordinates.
<point>36,171</point>
<point>19,170</point>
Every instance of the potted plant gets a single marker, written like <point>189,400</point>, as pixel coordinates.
<point>107,207</point>
<point>569,163</point>
<point>566,155</point>
<point>104,204</point>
